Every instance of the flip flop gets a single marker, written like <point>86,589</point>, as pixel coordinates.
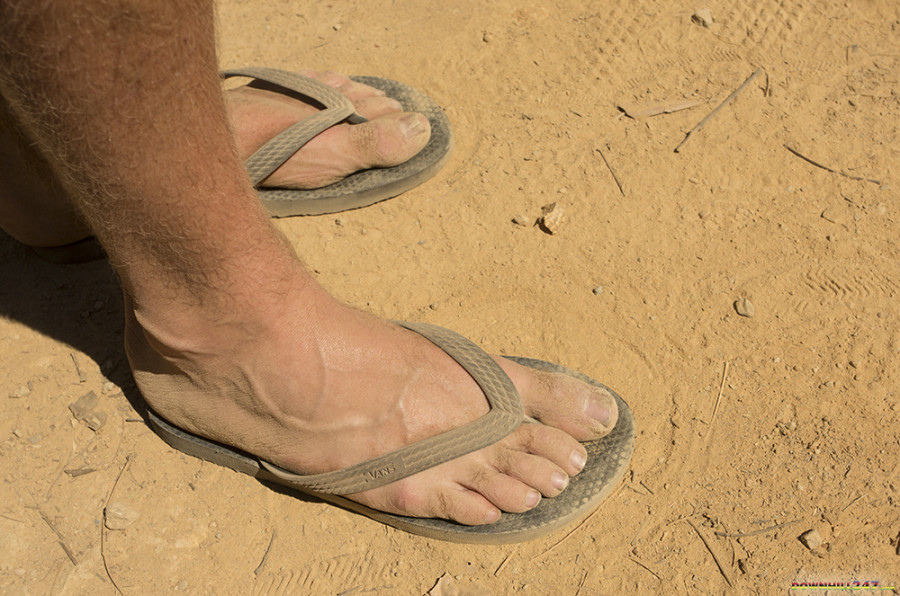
<point>607,462</point>
<point>358,189</point>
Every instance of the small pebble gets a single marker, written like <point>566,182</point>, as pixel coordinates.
<point>811,539</point>
<point>744,308</point>
<point>703,17</point>
<point>118,515</point>
<point>598,290</point>
<point>22,391</point>
<point>521,220</point>
<point>552,218</point>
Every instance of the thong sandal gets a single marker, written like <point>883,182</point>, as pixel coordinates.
<point>356,190</point>
<point>607,462</point>
<point>360,188</point>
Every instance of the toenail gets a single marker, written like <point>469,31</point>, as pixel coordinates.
<point>412,125</point>
<point>533,498</point>
<point>396,105</point>
<point>597,411</point>
<point>578,460</point>
<point>559,480</point>
<point>491,516</point>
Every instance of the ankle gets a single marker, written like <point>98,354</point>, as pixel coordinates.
<point>222,322</point>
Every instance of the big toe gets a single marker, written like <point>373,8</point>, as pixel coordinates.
<point>584,411</point>
<point>386,141</point>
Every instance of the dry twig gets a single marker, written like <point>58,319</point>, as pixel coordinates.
<point>712,552</point>
<point>567,536</point>
<point>103,523</point>
<point>81,377</point>
<point>709,116</point>
<point>721,390</point>
<point>62,541</point>
<point>265,554</point>
<point>647,568</point>
<point>503,564</point>
<point>827,169</point>
<point>756,532</point>
<point>611,171</point>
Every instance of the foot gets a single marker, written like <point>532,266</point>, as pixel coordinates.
<point>334,387</point>
<point>391,136</point>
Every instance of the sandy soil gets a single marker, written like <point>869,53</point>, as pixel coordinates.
<point>766,426</point>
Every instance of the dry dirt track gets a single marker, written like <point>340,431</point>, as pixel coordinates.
<point>805,432</point>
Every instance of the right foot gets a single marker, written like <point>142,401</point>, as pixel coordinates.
<point>312,385</point>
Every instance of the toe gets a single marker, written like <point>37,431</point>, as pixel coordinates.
<point>430,494</point>
<point>506,492</point>
<point>376,107</point>
<point>341,150</point>
<point>584,411</point>
<point>350,88</point>
<point>532,470</point>
<point>389,140</point>
<point>554,451</point>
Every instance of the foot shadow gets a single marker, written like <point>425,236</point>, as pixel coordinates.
<point>77,305</point>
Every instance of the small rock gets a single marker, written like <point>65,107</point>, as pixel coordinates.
<point>744,308</point>
<point>118,515</point>
<point>486,37</point>
<point>552,218</point>
<point>598,290</point>
<point>83,410</point>
<point>22,391</point>
<point>84,405</point>
<point>336,27</point>
<point>521,220</point>
<point>703,17</point>
<point>811,539</point>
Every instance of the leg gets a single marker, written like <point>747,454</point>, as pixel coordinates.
<point>34,207</point>
<point>219,306</point>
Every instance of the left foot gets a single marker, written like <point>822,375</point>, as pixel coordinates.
<point>391,137</point>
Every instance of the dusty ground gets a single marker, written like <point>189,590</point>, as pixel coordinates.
<point>788,418</point>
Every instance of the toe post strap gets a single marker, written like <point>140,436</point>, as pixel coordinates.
<point>505,415</point>
<point>282,146</point>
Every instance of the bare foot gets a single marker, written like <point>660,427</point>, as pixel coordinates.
<point>391,136</point>
<point>312,385</point>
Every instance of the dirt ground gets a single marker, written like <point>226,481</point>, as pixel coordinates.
<point>752,430</point>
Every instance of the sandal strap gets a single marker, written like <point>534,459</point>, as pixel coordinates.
<point>505,415</point>
<point>282,146</point>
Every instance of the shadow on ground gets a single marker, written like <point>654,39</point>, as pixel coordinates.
<point>78,305</point>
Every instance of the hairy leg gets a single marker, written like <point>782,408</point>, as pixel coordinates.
<point>34,207</point>
<point>252,352</point>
